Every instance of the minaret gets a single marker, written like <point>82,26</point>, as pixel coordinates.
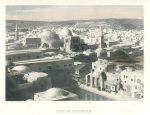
<point>101,42</point>
<point>16,33</point>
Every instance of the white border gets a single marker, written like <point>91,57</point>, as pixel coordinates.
<point>50,108</point>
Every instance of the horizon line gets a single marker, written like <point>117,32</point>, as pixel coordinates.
<point>71,20</point>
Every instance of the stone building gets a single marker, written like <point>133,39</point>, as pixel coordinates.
<point>47,64</point>
<point>19,55</point>
<point>50,38</point>
<point>31,42</point>
<point>71,43</point>
<point>82,69</point>
<point>133,82</point>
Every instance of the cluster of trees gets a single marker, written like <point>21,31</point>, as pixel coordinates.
<point>120,56</point>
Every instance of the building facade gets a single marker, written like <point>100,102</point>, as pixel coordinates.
<point>45,64</point>
<point>32,42</point>
<point>132,81</point>
<point>20,55</point>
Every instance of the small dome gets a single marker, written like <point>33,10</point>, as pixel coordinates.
<point>21,69</point>
<point>33,76</point>
<point>88,52</point>
<point>56,92</point>
<point>66,32</point>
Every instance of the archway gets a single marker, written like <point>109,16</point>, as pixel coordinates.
<point>88,80</point>
<point>97,82</point>
<point>93,81</point>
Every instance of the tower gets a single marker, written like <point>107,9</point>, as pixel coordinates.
<point>66,35</point>
<point>100,39</point>
<point>101,52</point>
<point>16,33</point>
<point>67,44</point>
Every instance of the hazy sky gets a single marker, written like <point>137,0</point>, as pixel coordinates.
<point>60,13</point>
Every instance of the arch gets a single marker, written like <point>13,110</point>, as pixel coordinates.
<point>88,80</point>
<point>97,82</point>
<point>93,81</point>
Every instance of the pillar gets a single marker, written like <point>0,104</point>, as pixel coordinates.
<point>91,81</point>
<point>86,78</point>
<point>101,83</point>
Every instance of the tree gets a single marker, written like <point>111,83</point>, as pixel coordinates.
<point>119,56</point>
<point>104,77</point>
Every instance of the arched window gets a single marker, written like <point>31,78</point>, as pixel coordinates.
<point>93,81</point>
<point>97,81</point>
<point>92,70</point>
<point>88,78</point>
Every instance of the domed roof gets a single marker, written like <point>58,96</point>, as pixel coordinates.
<point>21,69</point>
<point>48,35</point>
<point>53,94</point>
<point>50,38</point>
<point>56,92</point>
<point>66,32</point>
<point>56,44</point>
<point>33,76</point>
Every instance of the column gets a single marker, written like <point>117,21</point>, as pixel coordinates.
<point>86,78</point>
<point>91,81</point>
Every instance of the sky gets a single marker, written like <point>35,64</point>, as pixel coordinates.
<point>62,13</point>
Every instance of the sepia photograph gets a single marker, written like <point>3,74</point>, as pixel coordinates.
<point>74,53</point>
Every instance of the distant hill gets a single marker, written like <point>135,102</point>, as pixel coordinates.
<point>10,24</point>
<point>124,24</point>
<point>137,24</point>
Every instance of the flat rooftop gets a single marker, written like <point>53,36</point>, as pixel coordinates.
<point>9,44</point>
<point>42,60</point>
<point>24,51</point>
<point>123,45</point>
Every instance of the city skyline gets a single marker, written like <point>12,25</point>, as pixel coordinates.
<point>64,13</point>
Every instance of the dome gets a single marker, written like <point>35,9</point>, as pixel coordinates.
<point>47,35</point>
<point>21,69</point>
<point>50,38</point>
<point>56,92</point>
<point>33,76</point>
<point>56,44</point>
<point>66,32</point>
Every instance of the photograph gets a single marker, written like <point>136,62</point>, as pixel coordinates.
<point>74,53</point>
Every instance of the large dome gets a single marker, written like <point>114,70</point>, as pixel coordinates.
<point>66,32</point>
<point>50,38</point>
<point>21,69</point>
